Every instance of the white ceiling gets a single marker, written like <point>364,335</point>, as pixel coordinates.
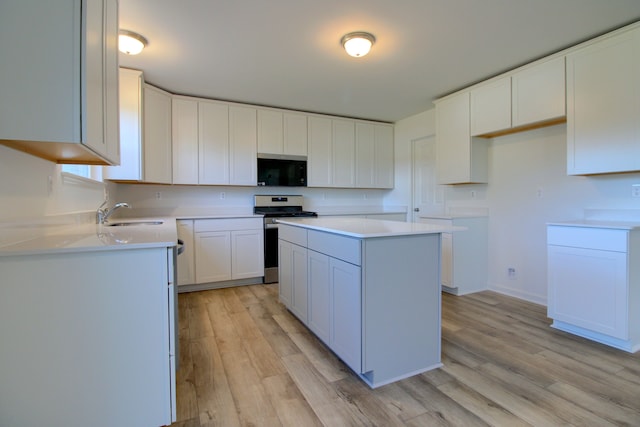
<point>287,53</point>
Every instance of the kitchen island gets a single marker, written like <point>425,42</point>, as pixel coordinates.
<point>369,289</point>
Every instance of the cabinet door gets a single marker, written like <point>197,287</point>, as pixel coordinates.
<point>384,158</point>
<point>491,107</point>
<point>111,83</point>
<point>213,256</point>
<point>538,93</point>
<point>319,162</point>
<point>603,106</point>
<point>365,155</point>
<point>213,143</point>
<point>242,146</point>
<point>185,140</point>
<point>343,162</point>
<point>50,95</point>
<point>588,288</point>
<point>270,134</point>
<point>300,293</point>
<point>156,111</point>
<point>186,260</point>
<point>319,295</point>
<point>453,160</point>
<point>285,272</point>
<point>247,254</point>
<point>93,112</point>
<point>295,134</point>
<point>346,312</point>
<point>131,151</point>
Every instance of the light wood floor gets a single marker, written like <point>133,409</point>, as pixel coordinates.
<point>246,361</point>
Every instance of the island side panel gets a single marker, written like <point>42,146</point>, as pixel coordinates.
<point>401,307</point>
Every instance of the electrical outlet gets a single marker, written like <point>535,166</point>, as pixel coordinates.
<point>539,193</point>
<point>222,195</point>
<point>158,195</point>
<point>635,190</point>
<point>511,273</point>
<point>473,194</point>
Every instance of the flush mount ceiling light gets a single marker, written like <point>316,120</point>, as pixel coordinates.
<point>358,44</point>
<point>131,43</point>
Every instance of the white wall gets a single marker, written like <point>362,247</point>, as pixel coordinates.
<point>528,187</point>
<point>175,199</point>
<point>26,192</point>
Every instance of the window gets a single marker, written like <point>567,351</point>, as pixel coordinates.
<point>93,173</point>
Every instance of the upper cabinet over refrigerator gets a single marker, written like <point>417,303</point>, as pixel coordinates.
<point>59,80</point>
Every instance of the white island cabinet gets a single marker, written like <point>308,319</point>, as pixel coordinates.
<point>594,283</point>
<point>369,289</point>
<point>87,325</point>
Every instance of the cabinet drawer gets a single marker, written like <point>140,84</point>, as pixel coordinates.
<point>437,221</point>
<point>295,235</point>
<point>231,224</point>
<point>341,247</point>
<point>589,238</point>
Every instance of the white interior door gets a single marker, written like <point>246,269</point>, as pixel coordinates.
<point>427,194</point>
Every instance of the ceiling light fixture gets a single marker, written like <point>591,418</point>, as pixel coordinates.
<point>131,43</point>
<point>358,44</point>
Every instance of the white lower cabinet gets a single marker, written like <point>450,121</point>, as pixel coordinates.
<point>98,348</point>
<point>320,300</point>
<point>228,249</point>
<point>464,262</point>
<point>213,256</point>
<point>292,260</point>
<point>594,289</point>
<point>346,315</point>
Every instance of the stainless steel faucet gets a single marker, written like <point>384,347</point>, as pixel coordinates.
<point>103,214</point>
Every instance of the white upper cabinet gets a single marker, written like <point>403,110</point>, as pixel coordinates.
<point>538,93</point>
<point>295,134</point>
<point>184,129</point>
<point>156,113</point>
<point>460,158</point>
<point>131,152</point>
<point>491,107</point>
<point>145,132</point>
<point>214,143</point>
<point>59,84</point>
<point>374,155</point>
<point>349,153</point>
<point>320,162</point>
<point>243,166</point>
<point>282,133</point>
<point>343,153</point>
<point>270,135</point>
<point>603,106</point>
<point>213,130</point>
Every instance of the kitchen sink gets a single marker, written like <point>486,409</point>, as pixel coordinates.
<point>122,224</point>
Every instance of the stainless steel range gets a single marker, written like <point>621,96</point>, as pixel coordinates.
<point>274,207</point>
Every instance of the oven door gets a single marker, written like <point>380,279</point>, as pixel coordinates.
<point>270,253</point>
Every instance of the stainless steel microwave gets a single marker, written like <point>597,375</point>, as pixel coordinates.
<point>282,171</point>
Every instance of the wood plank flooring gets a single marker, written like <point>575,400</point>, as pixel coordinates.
<point>246,361</point>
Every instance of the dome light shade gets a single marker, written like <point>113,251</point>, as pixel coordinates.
<point>358,44</point>
<point>131,43</point>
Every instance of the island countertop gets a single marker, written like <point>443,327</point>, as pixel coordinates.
<point>362,228</point>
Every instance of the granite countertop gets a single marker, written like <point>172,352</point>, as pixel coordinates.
<point>367,228</point>
<point>89,237</point>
